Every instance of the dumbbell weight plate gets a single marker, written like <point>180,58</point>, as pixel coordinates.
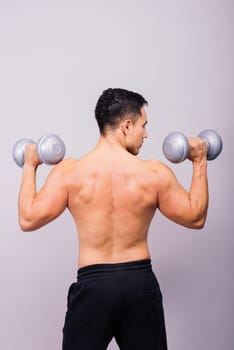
<point>18,150</point>
<point>50,149</point>
<point>213,141</point>
<point>176,147</point>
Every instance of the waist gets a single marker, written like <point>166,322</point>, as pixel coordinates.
<point>112,254</point>
<point>96,270</point>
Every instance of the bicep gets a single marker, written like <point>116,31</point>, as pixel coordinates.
<point>173,200</point>
<point>52,198</point>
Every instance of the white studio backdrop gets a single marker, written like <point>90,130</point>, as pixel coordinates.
<point>56,59</point>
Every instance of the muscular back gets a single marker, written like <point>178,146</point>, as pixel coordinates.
<point>112,201</point>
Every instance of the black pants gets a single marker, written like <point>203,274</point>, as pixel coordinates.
<point>115,300</point>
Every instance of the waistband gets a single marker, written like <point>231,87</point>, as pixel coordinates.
<point>97,269</point>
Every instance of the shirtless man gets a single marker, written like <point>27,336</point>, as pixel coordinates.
<point>112,196</point>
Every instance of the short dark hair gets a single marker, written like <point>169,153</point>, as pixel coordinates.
<point>114,104</point>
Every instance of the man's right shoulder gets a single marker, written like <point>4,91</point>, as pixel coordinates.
<point>155,164</point>
<point>159,168</point>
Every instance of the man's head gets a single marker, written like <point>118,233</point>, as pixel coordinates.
<point>114,105</point>
<point>120,109</point>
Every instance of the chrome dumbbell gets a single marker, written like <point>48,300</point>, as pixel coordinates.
<point>176,145</point>
<point>50,149</point>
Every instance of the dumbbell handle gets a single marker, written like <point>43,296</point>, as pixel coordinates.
<point>176,145</point>
<point>50,149</point>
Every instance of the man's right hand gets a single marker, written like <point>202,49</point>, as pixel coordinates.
<point>197,149</point>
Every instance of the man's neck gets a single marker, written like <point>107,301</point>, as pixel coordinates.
<point>112,141</point>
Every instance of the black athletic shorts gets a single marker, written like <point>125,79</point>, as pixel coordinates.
<point>121,300</point>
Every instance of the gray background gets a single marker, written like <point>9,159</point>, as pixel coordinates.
<point>56,59</point>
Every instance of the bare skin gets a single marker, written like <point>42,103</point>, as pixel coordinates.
<point>113,195</point>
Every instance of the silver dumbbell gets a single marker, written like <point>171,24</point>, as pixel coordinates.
<point>176,145</point>
<point>50,149</point>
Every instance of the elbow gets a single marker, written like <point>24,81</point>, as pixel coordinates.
<point>25,221</point>
<point>198,223</point>
<point>198,218</point>
<point>26,226</point>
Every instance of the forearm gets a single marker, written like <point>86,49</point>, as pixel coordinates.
<point>27,194</point>
<point>198,194</point>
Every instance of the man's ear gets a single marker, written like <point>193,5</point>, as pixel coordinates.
<point>126,126</point>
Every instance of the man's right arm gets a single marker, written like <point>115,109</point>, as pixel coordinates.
<point>186,208</point>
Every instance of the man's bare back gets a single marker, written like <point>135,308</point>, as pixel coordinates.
<point>112,204</point>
